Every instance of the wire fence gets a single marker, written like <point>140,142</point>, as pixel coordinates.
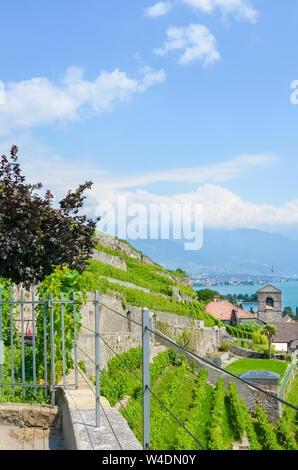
<point>145,380</point>
<point>52,317</point>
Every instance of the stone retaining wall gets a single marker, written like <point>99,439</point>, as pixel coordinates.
<point>238,351</point>
<point>122,334</point>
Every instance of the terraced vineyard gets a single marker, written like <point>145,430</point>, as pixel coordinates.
<point>215,416</point>
<point>158,286</point>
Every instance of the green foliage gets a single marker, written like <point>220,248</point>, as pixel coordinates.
<point>269,331</point>
<point>285,435</point>
<point>233,298</point>
<point>183,440</point>
<point>82,365</point>
<point>114,380</point>
<point>225,346</point>
<point>136,297</point>
<point>19,396</point>
<point>137,273</point>
<point>265,431</point>
<point>244,330</point>
<point>259,338</point>
<point>180,272</point>
<point>207,295</point>
<point>216,441</point>
<point>35,235</point>
<point>69,282</point>
<point>5,285</point>
<point>242,421</point>
<point>261,348</point>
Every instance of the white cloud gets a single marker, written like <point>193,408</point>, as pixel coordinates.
<point>158,9</point>
<point>222,208</point>
<point>40,101</point>
<point>241,9</point>
<point>195,40</point>
<point>217,173</point>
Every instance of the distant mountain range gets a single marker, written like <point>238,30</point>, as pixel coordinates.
<point>239,251</point>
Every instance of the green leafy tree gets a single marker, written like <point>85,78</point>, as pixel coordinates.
<point>207,295</point>
<point>288,311</point>
<point>34,235</point>
<point>269,331</point>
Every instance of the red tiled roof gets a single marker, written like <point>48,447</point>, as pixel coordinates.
<point>222,310</point>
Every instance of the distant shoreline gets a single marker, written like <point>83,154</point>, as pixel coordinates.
<point>289,291</point>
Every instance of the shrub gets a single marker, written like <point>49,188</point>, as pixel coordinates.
<point>284,435</point>
<point>265,431</point>
<point>69,282</point>
<point>259,338</point>
<point>225,346</point>
<point>34,235</point>
<point>217,416</point>
<point>5,286</point>
<point>241,419</point>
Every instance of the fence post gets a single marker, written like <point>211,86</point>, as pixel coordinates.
<point>75,340</point>
<point>146,378</point>
<point>52,350</point>
<point>97,358</point>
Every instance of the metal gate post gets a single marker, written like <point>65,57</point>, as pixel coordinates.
<point>146,378</point>
<point>97,357</point>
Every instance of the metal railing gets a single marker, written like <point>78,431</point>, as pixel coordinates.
<point>19,371</point>
<point>51,315</point>
<point>286,377</point>
<point>147,391</point>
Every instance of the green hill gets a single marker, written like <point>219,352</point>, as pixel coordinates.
<point>131,276</point>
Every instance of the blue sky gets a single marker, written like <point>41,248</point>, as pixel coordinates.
<point>183,100</point>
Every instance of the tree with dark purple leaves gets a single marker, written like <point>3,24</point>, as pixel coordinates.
<point>34,235</point>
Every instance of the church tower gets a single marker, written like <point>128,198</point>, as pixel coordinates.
<point>269,304</point>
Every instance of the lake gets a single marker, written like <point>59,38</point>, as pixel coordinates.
<point>289,292</point>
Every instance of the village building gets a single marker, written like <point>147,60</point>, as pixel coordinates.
<point>230,314</point>
<point>269,304</point>
<point>286,339</point>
